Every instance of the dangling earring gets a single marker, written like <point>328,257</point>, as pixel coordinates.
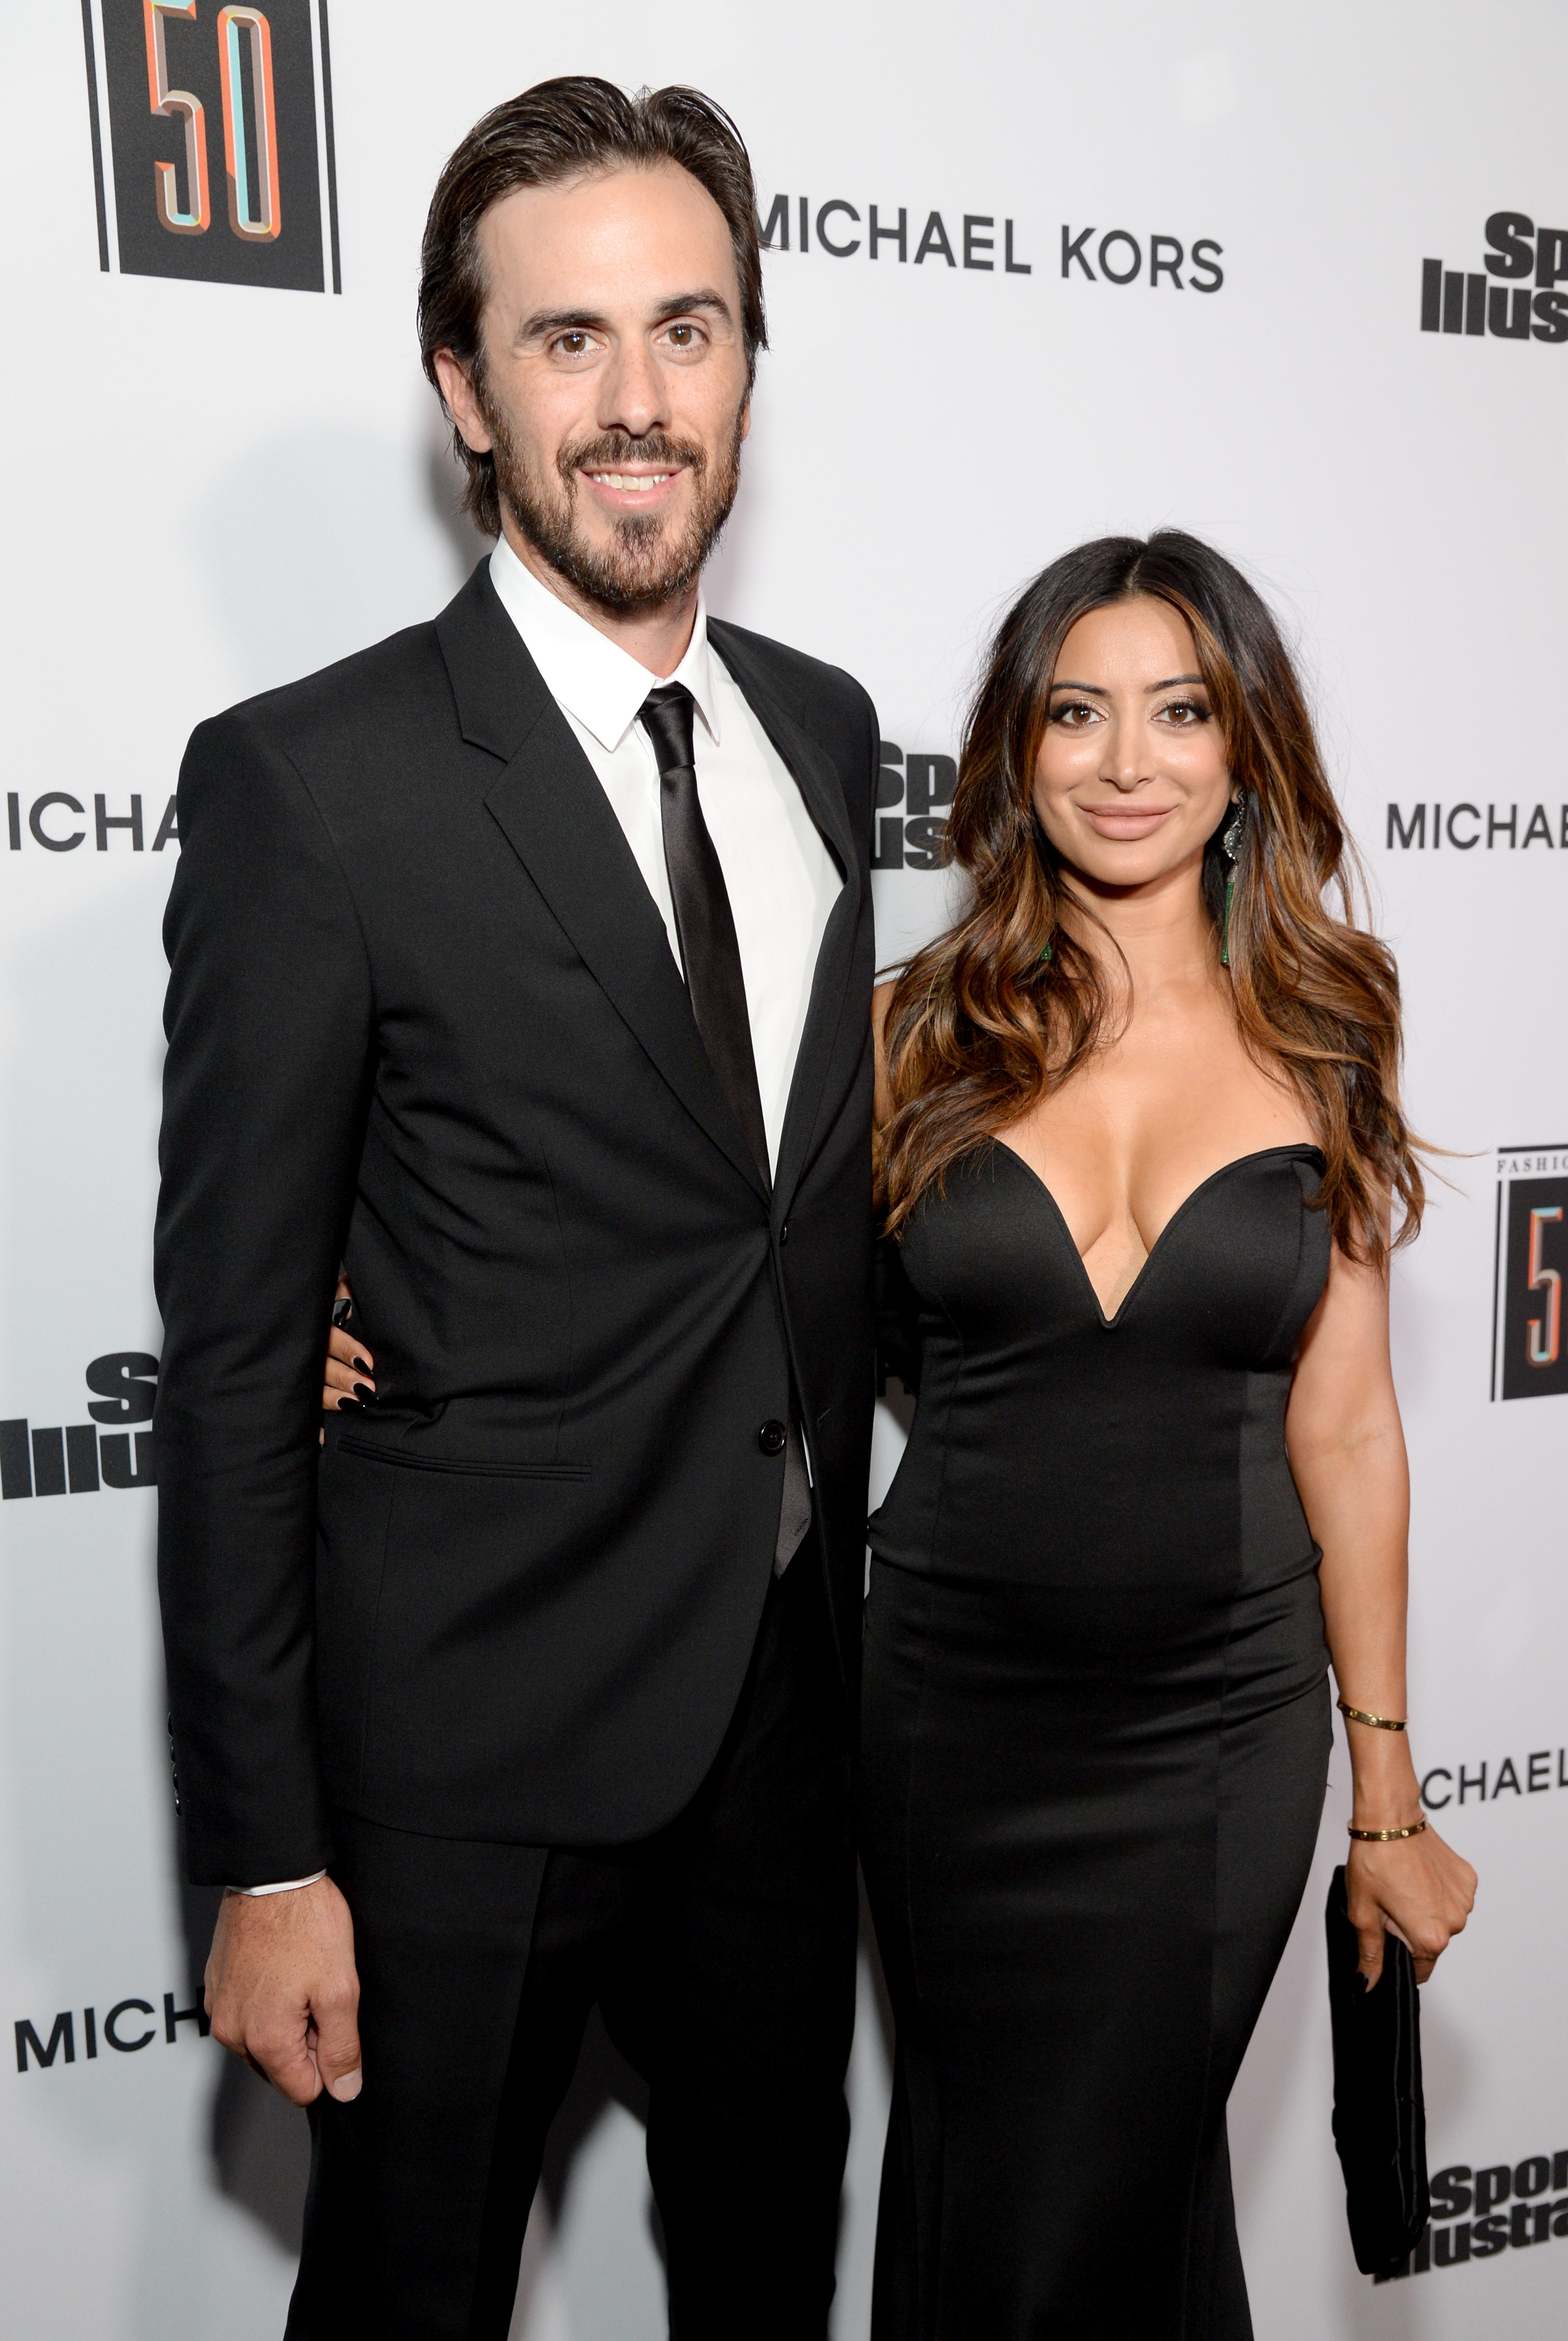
<point>1046,952</point>
<point>1230,845</point>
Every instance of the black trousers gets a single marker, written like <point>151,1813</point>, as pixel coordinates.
<point>722,1955</point>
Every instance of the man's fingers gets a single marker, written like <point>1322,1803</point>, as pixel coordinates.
<point>280,2056</point>
<point>337,2045</point>
<point>288,2065</point>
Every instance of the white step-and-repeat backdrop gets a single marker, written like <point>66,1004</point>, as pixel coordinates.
<point>1288,277</point>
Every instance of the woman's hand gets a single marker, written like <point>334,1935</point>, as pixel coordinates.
<point>347,1380</point>
<point>1417,1886</point>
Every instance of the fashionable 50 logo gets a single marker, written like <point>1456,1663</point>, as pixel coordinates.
<point>213,141</point>
<point>1529,1352</point>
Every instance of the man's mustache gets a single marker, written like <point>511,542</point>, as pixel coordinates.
<point>614,448</point>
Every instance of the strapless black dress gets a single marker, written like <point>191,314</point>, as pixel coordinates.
<point>1095,1741</point>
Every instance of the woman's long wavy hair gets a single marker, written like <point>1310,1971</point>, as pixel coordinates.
<point>982,1022</point>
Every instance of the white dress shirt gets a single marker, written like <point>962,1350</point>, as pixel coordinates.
<point>781,878</point>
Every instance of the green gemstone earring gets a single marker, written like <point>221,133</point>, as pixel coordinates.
<point>1230,845</point>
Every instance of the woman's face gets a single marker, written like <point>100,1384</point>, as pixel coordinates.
<point>1132,778</point>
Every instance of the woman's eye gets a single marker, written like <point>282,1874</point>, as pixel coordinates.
<point>1073,712</point>
<point>1185,713</point>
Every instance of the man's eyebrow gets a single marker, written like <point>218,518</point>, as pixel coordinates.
<point>684,301</point>
<point>561,321</point>
<point>1096,690</point>
<point>545,321</point>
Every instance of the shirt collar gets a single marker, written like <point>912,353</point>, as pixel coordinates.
<point>592,678</point>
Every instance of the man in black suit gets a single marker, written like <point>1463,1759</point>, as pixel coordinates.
<point>523,964</point>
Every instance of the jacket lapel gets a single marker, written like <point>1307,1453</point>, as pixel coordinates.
<point>549,806</point>
<point>819,786</point>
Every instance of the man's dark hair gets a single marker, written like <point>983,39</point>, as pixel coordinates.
<point>556,131</point>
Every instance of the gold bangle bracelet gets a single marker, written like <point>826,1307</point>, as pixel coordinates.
<point>1385,1837</point>
<point>1378,1723</point>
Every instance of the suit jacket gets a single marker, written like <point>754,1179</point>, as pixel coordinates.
<point>423,1019</point>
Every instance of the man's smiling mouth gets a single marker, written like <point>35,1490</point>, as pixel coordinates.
<point>631,483</point>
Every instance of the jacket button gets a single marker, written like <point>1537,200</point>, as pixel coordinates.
<point>784,1235</point>
<point>772,1437</point>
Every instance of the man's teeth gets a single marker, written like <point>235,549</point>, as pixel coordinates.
<point>635,482</point>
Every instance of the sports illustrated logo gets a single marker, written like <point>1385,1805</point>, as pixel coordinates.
<point>129,2025</point>
<point>50,821</point>
<point>213,141</point>
<point>80,1458</point>
<point>1464,827</point>
<point>1533,1776</point>
<point>1529,1355</point>
<point>1538,2210</point>
<point>1500,301</point>
<point>913,838</point>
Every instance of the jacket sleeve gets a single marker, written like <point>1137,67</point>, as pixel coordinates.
<point>270,1027</point>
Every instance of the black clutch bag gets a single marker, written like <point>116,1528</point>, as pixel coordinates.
<point>1379,2112</point>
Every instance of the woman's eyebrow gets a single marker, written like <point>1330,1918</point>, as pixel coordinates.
<point>1097,690</point>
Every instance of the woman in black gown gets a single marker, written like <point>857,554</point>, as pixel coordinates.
<point>1139,1139</point>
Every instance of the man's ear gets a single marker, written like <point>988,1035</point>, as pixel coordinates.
<point>746,417</point>
<point>457,390</point>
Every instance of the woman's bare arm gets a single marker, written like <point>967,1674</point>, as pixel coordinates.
<point>1347,1452</point>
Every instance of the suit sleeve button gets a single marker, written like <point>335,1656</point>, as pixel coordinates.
<point>772,1437</point>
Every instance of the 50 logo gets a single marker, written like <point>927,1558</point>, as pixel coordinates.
<point>167,80</point>
<point>1530,1341</point>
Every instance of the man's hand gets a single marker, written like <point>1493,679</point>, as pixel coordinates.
<point>283,1991</point>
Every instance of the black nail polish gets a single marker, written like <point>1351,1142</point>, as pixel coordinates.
<point>350,1406</point>
<point>364,1393</point>
<point>362,1365</point>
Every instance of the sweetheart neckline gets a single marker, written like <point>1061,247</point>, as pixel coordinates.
<point>1238,1163</point>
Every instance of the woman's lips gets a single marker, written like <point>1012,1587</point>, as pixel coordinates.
<point>1125,822</point>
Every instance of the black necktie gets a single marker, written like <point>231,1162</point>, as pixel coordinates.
<point>716,988</point>
<point>703,919</point>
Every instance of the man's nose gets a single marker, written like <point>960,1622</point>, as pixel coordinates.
<point>632,392</point>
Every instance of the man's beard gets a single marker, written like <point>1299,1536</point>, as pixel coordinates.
<point>644,564</point>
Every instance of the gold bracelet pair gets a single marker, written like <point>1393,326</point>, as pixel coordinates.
<point>1379,1723</point>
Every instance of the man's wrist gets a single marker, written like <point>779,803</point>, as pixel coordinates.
<point>282,1886</point>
